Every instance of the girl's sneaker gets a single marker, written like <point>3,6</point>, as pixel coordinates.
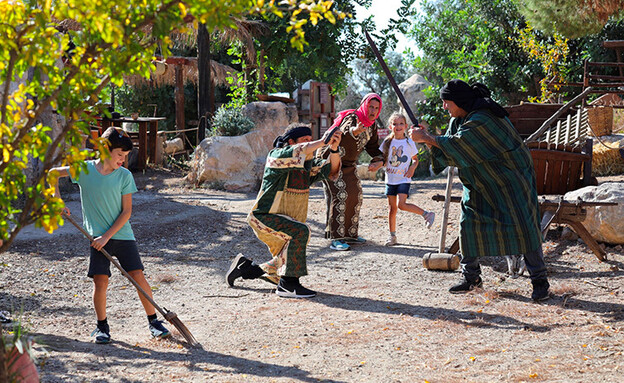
<point>429,218</point>
<point>391,241</point>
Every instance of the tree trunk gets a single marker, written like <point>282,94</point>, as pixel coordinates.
<point>204,87</point>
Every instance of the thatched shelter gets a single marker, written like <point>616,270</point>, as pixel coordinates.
<point>165,72</point>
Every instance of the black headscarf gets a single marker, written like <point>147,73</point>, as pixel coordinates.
<point>471,97</point>
<point>292,134</point>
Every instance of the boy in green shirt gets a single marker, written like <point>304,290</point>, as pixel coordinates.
<point>106,197</point>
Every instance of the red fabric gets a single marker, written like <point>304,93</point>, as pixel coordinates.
<point>361,112</point>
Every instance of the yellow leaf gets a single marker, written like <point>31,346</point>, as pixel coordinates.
<point>182,9</point>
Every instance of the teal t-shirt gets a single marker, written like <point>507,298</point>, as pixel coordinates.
<point>100,196</point>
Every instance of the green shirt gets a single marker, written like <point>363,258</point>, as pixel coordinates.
<point>100,196</point>
<point>500,214</point>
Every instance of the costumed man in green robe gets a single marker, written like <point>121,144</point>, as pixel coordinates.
<point>499,208</point>
<point>279,215</point>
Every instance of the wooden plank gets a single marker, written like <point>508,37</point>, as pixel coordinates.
<point>554,117</point>
<point>577,134</point>
<point>543,154</point>
<point>548,135</point>
<point>587,238</point>
<point>607,64</point>
<point>553,174</point>
<point>567,180</point>
<point>575,174</point>
<point>540,173</point>
<point>568,129</point>
<point>558,132</point>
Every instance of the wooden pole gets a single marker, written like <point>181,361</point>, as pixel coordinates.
<point>179,97</point>
<point>204,85</point>
<point>445,212</point>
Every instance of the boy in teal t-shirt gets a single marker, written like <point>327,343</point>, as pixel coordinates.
<point>106,197</point>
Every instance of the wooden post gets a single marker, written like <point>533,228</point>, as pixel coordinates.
<point>447,202</point>
<point>204,69</point>
<point>179,97</point>
<point>142,145</point>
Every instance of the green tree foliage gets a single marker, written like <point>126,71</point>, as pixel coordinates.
<point>571,18</point>
<point>114,38</point>
<point>368,77</point>
<point>473,40</point>
<point>552,55</point>
<point>329,50</point>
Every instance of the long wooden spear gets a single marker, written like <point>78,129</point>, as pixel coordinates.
<point>386,70</point>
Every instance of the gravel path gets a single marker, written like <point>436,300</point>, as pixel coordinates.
<point>379,316</point>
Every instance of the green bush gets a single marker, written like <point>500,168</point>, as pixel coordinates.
<point>231,122</point>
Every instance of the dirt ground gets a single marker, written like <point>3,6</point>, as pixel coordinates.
<point>379,315</point>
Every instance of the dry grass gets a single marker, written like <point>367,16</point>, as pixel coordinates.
<point>165,278</point>
<point>563,289</point>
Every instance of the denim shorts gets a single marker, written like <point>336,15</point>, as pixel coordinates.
<point>125,251</point>
<point>398,189</point>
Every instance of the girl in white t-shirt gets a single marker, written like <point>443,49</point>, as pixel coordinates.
<point>401,160</point>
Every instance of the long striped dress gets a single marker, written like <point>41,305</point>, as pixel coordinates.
<point>344,194</point>
<point>499,208</point>
<point>281,208</point>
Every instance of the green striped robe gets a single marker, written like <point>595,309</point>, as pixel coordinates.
<point>500,214</point>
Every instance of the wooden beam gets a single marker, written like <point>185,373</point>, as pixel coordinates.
<point>179,97</point>
<point>553,118</point>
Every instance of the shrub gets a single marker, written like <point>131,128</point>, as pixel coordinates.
<point>231,122</point>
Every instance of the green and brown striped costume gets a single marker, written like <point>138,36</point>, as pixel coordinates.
<point>500,213</point>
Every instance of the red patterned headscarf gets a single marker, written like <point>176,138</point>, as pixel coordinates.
<point>361,111</point>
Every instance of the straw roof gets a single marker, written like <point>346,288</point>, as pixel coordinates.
<point>219,74</point>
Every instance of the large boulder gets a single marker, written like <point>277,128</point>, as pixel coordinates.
<point>412,89</point>
<point>237,162</point>
<point>604,223</point>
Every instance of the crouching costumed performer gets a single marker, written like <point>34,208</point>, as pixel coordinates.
<point>499,208</point>
<point>281,209</point>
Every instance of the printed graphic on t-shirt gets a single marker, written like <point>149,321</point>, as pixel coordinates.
<point>397,157</point>
<point>400,154</point>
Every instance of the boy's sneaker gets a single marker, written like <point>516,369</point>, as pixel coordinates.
<point>238,267</point>
<point>465,285</point>
<point>339,245</point>
<point>158,330</point>
<point>391,241</point>
<point>291,288</point>
<point>101,337</point>
<point>429,218</point>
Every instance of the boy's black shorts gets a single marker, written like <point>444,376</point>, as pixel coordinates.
<point>126,252</point>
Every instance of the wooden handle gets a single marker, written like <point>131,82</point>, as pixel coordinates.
<point>447,201</point>
<point>117,265</point>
